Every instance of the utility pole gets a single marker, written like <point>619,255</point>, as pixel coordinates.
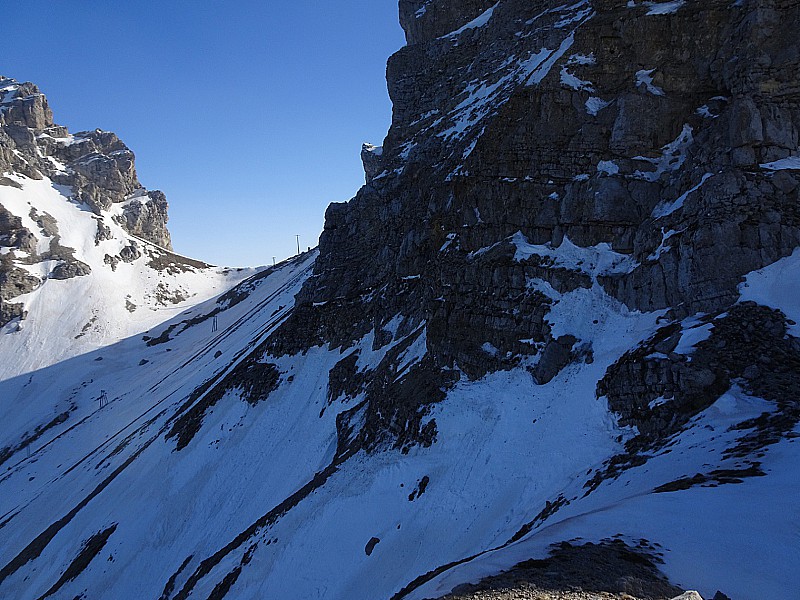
<point>273,261</point>
<point>298,243</point>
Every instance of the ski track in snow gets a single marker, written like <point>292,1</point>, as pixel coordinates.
<point>79,458</point>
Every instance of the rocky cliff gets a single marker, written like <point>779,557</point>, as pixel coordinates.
<point>98,168</point>
<point>648,149</point>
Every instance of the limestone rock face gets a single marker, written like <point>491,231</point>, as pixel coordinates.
<point>95,168</point>
<point>609,129</point>
<point>97,165</point>
<point>146,216</point>
<point>425,20</point>
<point>23,105</point>
<point>371,158</point>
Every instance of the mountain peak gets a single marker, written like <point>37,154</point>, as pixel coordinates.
<point>96,166</point>
<point>72,208</point>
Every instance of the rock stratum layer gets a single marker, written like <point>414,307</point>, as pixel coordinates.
<point>597,123</point>
<point>556,329</point>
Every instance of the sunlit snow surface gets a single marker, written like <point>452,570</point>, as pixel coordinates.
<point>78,315</point>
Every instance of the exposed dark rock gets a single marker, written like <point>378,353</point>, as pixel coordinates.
<point>169,587</point>
<point>90,549</point>
<point>242,291</point>
<point>556,355</point>
<point>344,380</point>
<point>712,479</point>
<point>68,270</point>
<point>744,331</point>
<point>398,400</point>
<point>102,170</point>
<point>550,508</point>
<point>371,545</point>
<point>11,311</point>
<point>103,232</point>
<point>147,217</point>
<point>172,263</point>
<point>420,489</point>
<point>14,282</point>
<point>659,394</point>
<point>10,183</point>
<point>24,107</point>
<point>47,224</point>
<point>128,254</point>
<point>611,570</point>
<point>14,235</point>
<point>371,157</point>
<point>425,20</point>
<point>252,380</point>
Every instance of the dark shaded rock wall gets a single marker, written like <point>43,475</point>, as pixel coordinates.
<point>589,124</point>
<point>704,94</point>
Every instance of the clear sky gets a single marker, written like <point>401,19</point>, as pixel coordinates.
<point>248,114</point>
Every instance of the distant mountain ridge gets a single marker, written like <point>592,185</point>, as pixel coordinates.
<point>76,223</point>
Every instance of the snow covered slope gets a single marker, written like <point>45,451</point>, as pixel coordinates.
<point>257,491</point>
<point>513,337</point>
<point>67,317</point>
<point>145,380</point>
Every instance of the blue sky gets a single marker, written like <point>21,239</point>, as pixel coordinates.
<point>248,115</point>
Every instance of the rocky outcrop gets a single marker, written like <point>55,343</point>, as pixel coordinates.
<point>146,217</point>
<point>626,131</point>
<point>610,570</point>
<point>660,385</point>
<point>128,254</point>
<point>14,282</point>
<point>96,165</point>
<point>101,170</point>
<point>23,106</point>
<point>425,20</point>
<point>95,168</point>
